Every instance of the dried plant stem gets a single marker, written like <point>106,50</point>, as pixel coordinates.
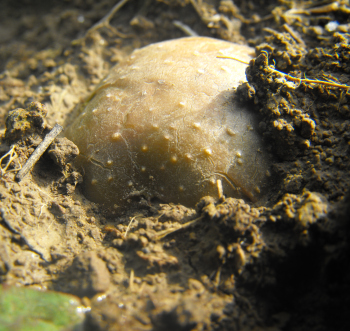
<point>295,79</point>
<point>104,22</point>
<point>38,152</point>
<point>11,155</point>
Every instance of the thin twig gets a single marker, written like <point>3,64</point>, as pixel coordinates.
<point>232,58</point>
<point>295,79</point>
<point>185,28</point>
<point>127,229</point>
<point>38,152</point>
<point>294,34</point>
<point>311,81</point>
<point>104,22</point>
<point>220,190</point>
<point>12,155</point>
<point>164,233</point>
<point>23,238</point>
<point>324,9</point>
<point>131,280</point>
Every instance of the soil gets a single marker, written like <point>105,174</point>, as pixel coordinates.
<point>228,264</point>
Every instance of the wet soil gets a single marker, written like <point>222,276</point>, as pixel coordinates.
<point>227,264</point>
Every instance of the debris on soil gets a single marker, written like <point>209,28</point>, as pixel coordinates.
<point>21,123</point>
<point>24,129</point>
<point>227,265</point>
<point>38,152</point>
<point>62,151</point>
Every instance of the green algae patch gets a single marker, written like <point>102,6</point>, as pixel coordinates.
<point>25,309</point>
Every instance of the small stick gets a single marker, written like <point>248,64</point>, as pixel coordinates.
<point>311,81</point>
<point>38,152</point>
<point>295,79</point>
<point>220,190</point>
<point>23,238</point>
<point>12,155</point>
<point>132,220</point>
<point>293,34</point>
<point>104,22</point>
<point>232,58</point>
<point>164,233</point>
<point>323,9</point>
<point>185,28</point>
<point>127,229</point>
<point>131,280</point>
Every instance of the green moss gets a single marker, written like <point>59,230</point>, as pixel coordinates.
<point>25,309</point>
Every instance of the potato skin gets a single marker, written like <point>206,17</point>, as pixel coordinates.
<point>164,123</point>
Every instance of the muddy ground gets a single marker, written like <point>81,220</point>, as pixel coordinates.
<point>228,264</point>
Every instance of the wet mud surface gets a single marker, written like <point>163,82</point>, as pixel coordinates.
<point>228,264</point>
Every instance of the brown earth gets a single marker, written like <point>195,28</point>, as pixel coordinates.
<point>227,265</point>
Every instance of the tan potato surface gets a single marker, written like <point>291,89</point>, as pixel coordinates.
<point>164,123</point>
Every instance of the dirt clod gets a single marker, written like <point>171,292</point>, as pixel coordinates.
<point>87,276</point>
<point>23,122</point>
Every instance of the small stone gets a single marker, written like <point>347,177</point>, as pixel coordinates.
<point>88,275</point>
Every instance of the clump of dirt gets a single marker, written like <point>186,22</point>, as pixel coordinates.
<point>23,122</point>
<point>307,133</point>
